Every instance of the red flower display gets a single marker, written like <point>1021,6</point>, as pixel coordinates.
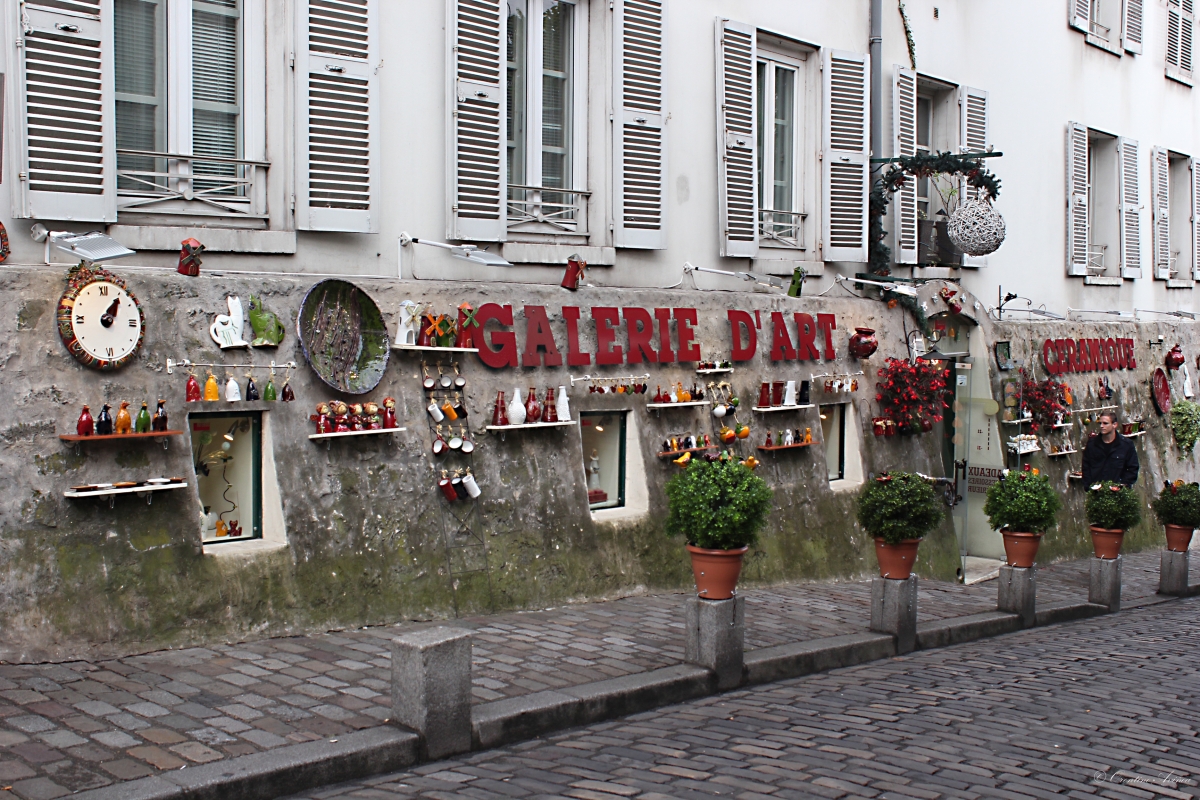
<point>1044,401</point>
<point>913,395</point>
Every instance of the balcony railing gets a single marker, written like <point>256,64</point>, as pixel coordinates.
<point>784,227</point>
<point>150,182</point>
<point>547,209</point>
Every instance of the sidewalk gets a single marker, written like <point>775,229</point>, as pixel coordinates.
<point>69,727</point>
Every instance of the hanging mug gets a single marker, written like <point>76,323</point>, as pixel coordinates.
<point>439,444</point>
<point>447,490</point>
<point>448,410</point>
<point>435,412</point>
<point>460,408</point>
<point>444,380</point>
<point>456,443</point>
<point>471,486</point>
<point>460,491</point>
<point>467,445</point>
<point>459,380</point>
<point>429,381</point>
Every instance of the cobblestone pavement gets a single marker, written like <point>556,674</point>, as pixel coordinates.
<point>1106,707</point>
<point>79,725</point>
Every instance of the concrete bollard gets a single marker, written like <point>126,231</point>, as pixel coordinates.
<point>894,610</point>
<point>431,688</point>
<point>1017,593</point>
<point>1173,573</point>
<point>716,637</point>
<point>1104,589</point>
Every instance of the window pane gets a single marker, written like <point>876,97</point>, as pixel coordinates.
<point>216,95</point>
<point>517,27</point>
<point>557,30</point>
<point>924,121</point>
<point>785,126</point>
<point>833,425</point>
<point>603,435</point>
<point>761,104</point>
<point>140,82</point>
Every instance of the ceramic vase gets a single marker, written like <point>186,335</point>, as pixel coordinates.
<point>549,412</point>
<point>789,394</point>
<point>533,409</point>
<point>863,343</point>
<point>516,409</point>
<point>499,413</point>
<point>562,405</point>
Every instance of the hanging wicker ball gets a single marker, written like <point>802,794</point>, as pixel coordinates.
<point>976,228</point>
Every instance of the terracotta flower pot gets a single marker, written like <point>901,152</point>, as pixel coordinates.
<point>1106,543</point>
<point>896,560</point>
<point>1020,549</point>
<point>1178,538</point>
<point>716,571</point>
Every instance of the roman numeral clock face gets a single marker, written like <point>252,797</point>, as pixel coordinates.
<point>100,321</point>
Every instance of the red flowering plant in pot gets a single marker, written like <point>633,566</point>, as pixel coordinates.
<point>1112,509</point>
<point>913,395</point>
<point>719,507</point>
<point>1046,402</point>
<point>1022,506</point>
<point>1178,509</point>
<point>898,509</point>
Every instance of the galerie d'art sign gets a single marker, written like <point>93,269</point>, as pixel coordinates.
<point>1061,356</point>
<point>498,343</point>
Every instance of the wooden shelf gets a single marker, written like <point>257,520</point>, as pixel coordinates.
<point>503,428</point>
<point>354,433</point>
<point>1061,453</point>
<point>714,371</point>
<point>114,436</point>
<point>435,349</point>
<point>766,409</point>
<point>692,403</point>
<point>675,453</point>
<point>774,447</point>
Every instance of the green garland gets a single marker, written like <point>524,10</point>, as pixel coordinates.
<point>908,36</point>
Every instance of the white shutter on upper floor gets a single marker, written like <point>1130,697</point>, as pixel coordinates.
<point>67,144</point>
<point>1131,26</point>
<point>737,142</point>
<point>1194,166</point>
<point>904,132</point>
<point>1180,34</point>
<point>639,136</point>
<point>337,116</point>
<point>1129,189</point>
<point>845,147</point>
<point>1077,199</point>
<point>1160,191</point>
<point>478,183</point>
<point>973,135</point>
<point>1080,14</point>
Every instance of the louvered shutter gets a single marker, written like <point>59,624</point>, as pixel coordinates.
<point>639,137</point>
<point>904,128</point>
<point>737,141</point>
<point>973,135</point>
<point>1080,12</point>
<point>337,116</point>
<point>1160,189</point>
<point>1180,32</point>
<point>1131,215</point>
<point>478,187</point>
<point>67,133</point>
<point>1194,166</point>
<point>1131,39</point>
<point>845,155</point>
<point>1077,199</point>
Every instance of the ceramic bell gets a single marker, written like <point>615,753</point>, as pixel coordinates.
<point>516,409</point>
<point>85,426</point>
<point>251,389</point>
<point>142,423</point>
<point>233,392</point>
<point>287,395</point>
<point>124,421</point>
<point>211,390</point>
<point>191,392</point>
<point>159,423</point>
<point>269,392</point>
<point>104,423</point>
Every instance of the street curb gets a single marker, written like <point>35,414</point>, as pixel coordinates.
<point>275,773</point>
<point>1068,612</point>
<point>797,659</point>
<point>958,630</point>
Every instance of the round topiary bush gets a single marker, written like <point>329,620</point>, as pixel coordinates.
<point>1178,504</point>
<point>1022,502</point>
<point>899,506</point>
<point>1113,506</point>
<point>719,505</point>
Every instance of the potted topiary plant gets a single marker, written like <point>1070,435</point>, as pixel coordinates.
<point>719,506</point>
<point>1022,506</point>
<point>1178,509</point>
<point>898,509</point>
<point>1112,509</point>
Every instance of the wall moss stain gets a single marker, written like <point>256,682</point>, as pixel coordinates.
<point>59,463</point>
<point>133,459</point>
<point>27,432</point>
<point>30,312</point>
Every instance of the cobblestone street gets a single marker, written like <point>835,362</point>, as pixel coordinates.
<point>1105,707</point>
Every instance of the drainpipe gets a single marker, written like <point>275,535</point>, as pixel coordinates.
<point>876,51</point>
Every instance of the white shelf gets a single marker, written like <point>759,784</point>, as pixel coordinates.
<point>679,405</point>
<point>1061,453</point>
<point>1097,408</point>
<point>1063,425</point>
<point>503,428</point>
<point>437,349</point>
<point>354,433</point>
<point>1021,421</point>
<point>1134,435</point>
<point>1025,450</point>
<point>765,409</point>
<point>715,371</point>
<point>145,490</point>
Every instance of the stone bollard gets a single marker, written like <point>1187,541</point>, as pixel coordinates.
<point>431,688</point>
<point>1104,588</point>
<point>1017,593</point>
<point>1173,573</point>
<point>894,610</point>
<point>716,637</point>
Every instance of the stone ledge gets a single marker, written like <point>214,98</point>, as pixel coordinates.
<point>804,658</point>
<point>215,240</point>
<point>1066,612</point>
<point>958,630</point>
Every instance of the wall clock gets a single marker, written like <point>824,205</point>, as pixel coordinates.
<point>100,321</point>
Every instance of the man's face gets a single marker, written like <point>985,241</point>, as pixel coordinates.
<point>1107,425</point>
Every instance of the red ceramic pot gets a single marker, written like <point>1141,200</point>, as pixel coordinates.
<point>863,343</point>
<point>896,560</point>
<point>716,571</point>
<point>1106,543</point>
<point>1179,537</point>
<point>1174,359</point>
<point>1020,549</point>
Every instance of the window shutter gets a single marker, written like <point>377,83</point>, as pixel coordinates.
<point>478,187</point>
<point>1081,14</point>
<point>1131,215</point>
<point>639,137</point>
<point>737,141</point>
<point>844,152</point>
<point>1132,26</point>
<point>1180,31</point>
<point>904,127</point>
<point>337,111</point>
<point>1077,199</point>
<point>1160,189</point>
<point>973,135</point>
<point>67,132</point>
<point>1194,166</point>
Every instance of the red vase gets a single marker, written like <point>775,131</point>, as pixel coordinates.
<point>549,409</point>
<point>499,415</point>
<point>1174,359</point>
<point>863,343</point>
<point>533,409</point>
<point>764,395</point>
<point>192,390</point>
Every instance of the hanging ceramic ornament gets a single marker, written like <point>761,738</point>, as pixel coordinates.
<point>104,423</point>
<point>142,423</point>
<point>227,329</point>
<point>211,390</point>
<point>251,388</point>
<point>159,423</point>
<point>516,409</point>
<point>85,426</point>
<point>191,392</point>
<point>563,405</point>
<point>269,393</point>
<point>233,392</point>
<point>124,421</point>
<point>268,330</point>
<point>286,394</point>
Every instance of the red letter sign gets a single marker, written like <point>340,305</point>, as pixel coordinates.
<point>505,342</point>
<point>606,352</point>
<point>736,320</point>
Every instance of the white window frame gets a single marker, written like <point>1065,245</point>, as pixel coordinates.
<point>1180,64</point>
<point>800,149</point>
<point>533,123</point>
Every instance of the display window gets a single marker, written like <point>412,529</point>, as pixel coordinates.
<point>833,426</point>
<point>227,458</point>
<point>603,436</point>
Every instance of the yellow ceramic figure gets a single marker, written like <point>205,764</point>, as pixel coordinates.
<point>211,390</point>
<point>808,435</point>
<point>124,422</point>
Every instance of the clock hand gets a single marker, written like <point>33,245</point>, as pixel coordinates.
<point>108,317</point>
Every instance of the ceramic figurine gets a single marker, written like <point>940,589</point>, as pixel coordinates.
<point>410,321</point>
<point>357,423</point>
<point>268,330</point>
<point>341,416</point>
<point>227,329</point>
<point>533,409</point>
<point>251,389</point>
<point>235,528</point>
<point>389,412</point>
<point>159,423</point>
<point>124,423</point>
<point>769,441</point>
<point>222,528</point>
<point>104,423</point>
<point>562,405</point>
<point>373,420</point>
<point>593,471</point>
<point>211,390</point>
<point>321,418</point>
<point>467,326</point>
<point>788,439</point>
<point>142,423</point>
<point>86,426</point>
<point>191,392</point>
<point>549,410</point>
<point>808,435</point>
<point>286,395</point>
<point>499,413</point>
<point>516,409</point>
<point>189,257</point>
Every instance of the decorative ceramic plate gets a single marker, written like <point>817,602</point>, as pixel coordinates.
<point>343,336</point>
<point>158,481</point>
<point>91,487</point>
<point>124,484</point>
<point>104,486</point>
<point>1161,391</point>
<point>176,480</point>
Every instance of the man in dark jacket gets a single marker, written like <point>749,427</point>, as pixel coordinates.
<point>1109,456</point>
